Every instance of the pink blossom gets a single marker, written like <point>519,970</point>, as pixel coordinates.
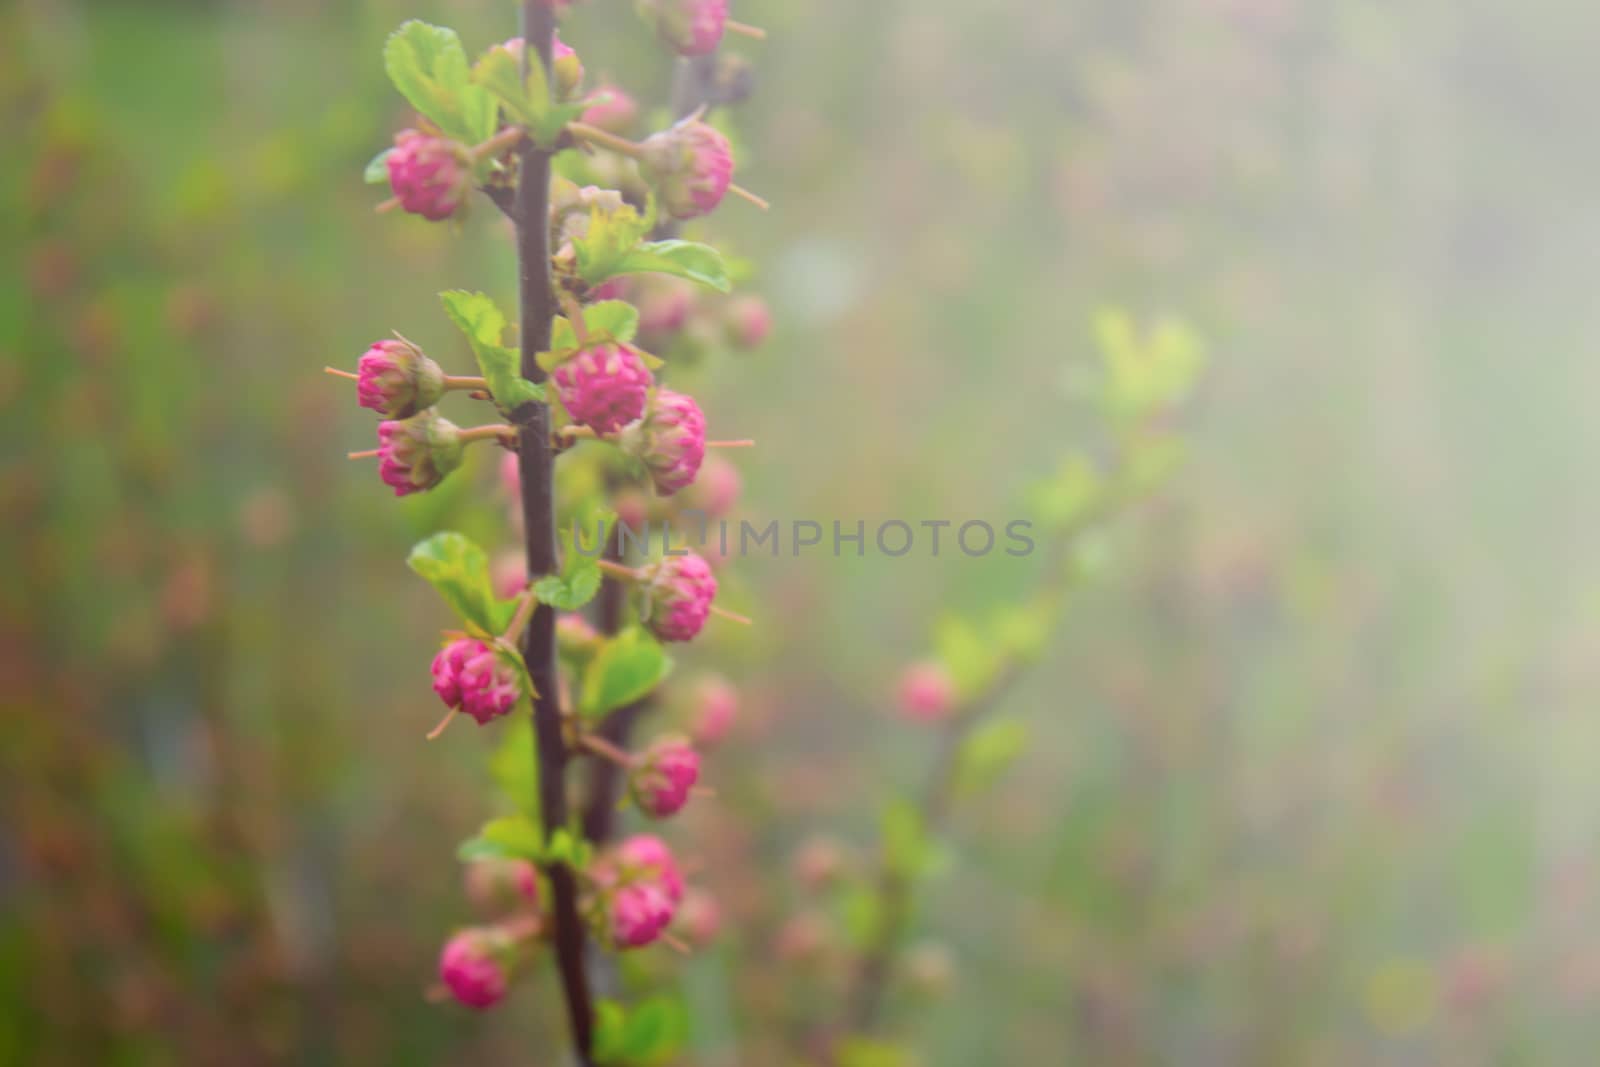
<point>689,27</point>
<point>670,440</point>
<point>473,967</point>
<point>611,109</point>
<point>926,692</point>
<point>749,322</point>
<point>417,453</point>
<point>396,380</point>
<point>647,856</point>
<point>603,387</point>
<point>660,785</point>
<point>717,487</point>
<point>430,175</point>
<point>480,680</point>
<point>680,590</point>
<point>639,913</point>
<point>690,165</point>
<point>716,706</point>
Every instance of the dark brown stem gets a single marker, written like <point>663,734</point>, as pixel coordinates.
<point>538,309</point>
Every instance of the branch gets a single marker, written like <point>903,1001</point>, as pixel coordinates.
<point>538,309</point>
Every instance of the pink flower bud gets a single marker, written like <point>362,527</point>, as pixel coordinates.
<point>690,165</point>
<point>497,887</point>
<point>647,857</point>
<point>418,452</point>
<point>639,913</point>
<point>661,783</point>
<point>509,575</point>
<point>700,917</point>
<point>396,380</point>
<point>670,440</point>
<point>566,68</point>
<point>473,966</point>
<point>482,681</point>
<point>716,490</point>
<point>664,307</point>
<point>688,27</point>
<point>680,590</point>
<point>431,175</point>
<point>611,109</point>
<point>604,387</point>
<point>715,707</point>
<point>926,692</point>
<point>748,322</point>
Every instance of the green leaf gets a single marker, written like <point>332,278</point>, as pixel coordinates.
<point>867,1052</point>
<point>429,67</point>
<point>499,73</point>
<point>514,766</point>
<point>987,752</point>
<point>508,837</point>
<point>1069,495</point>
<point>699,263</point>
<point>455,566</point>
<point>907,848</point>
<point>627,668</point>
<point>483,323</point>
<point>652,1033</point>
<point>971,660</point>
<point>577,583</point>
<point>610,238</point>
<point>377,171</point>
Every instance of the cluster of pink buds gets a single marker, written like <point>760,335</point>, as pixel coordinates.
<point>604,387</point>
<point>638,888</point>
<point>473,677</point>
<point>670,440</point>
<point>679,591</point>
<point>691,166</point>
<point>664,776</point>
<point>430,175</point>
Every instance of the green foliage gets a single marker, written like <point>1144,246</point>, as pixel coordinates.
<point>526,103</point>
<point>651,1033</point>
<point>869,1052</point>
<point>607,321</point>
<point>611,248</point>
<point>577,583</point>
<point>987,752</point>
<point>484,324</point>
<point>1145,376</point>
<point>429,67</point>
<point>1069,496</point>
<point>455,566</point>
<point>909,850</point>
<point>514,766</point>
<point>627,668</point>
<point>972,660</point>
<point>699,263</point>
<point>507,837</point>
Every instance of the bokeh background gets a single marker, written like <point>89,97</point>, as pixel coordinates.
<point>1312,778</point>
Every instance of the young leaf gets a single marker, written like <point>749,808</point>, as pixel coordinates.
<point>699,263</point>
<point>477,316</point>
<point>971,659</point>
<point>577,583</point>
<point>514,768</point>
<point>611,237</point>
<point>987,752</point>
<point>907,848</point>
<point>377,172</point>
<point>459,570</point>
<point>498,73</point>
<point>429,67</point>
<point>508,837</point>
<point>626,669</point>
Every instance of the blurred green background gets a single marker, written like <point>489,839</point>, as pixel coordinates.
<point>1311,780</point>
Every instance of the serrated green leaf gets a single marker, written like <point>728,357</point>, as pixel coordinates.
<point>377,169</point>
<point>483,323</point>
<point>698,263</point>
<point>987,751</point>
<point>499,73</point>
<point>577,583</point>
<point>627,668</point>
<point>508,837</point>
<point>429,67</point>
<point>455,566</point>
<point>609,320</point>
<point>609,239</point>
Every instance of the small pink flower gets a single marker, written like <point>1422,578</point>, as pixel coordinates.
<point>660,785</point>
<point>670,440</point>
<point>926,692</point>
<point>700,917</point>
<point>646,856</point>
<point>431,175</point>
<point>604,387</point>
<point>748,321</point>
<point>497,887</point>
<point>639,912</point>
<point>690,165</point>
<point>664,307</point>
<point>680,591</point>
<point>716,489</point>
<point>567,68</point>
<point>396,380</point>
<point>716,706</point>
<point>418,452</point>
<point>473,967</point>
<point>480,680</point>
<point>689,27</point>
<point>611,109</point>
